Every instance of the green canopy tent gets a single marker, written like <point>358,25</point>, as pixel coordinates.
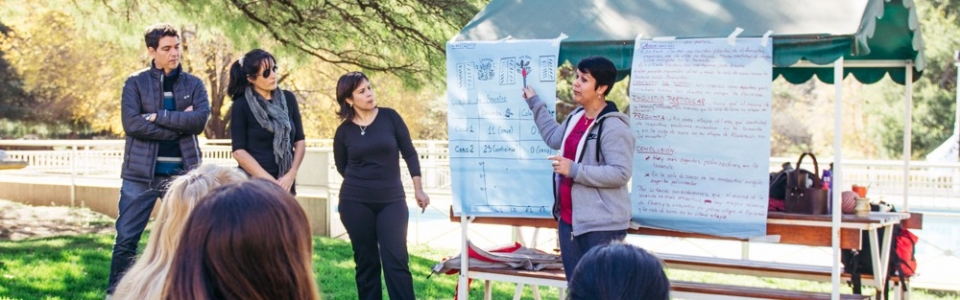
<point>869,39</point>
<point>885,33</point>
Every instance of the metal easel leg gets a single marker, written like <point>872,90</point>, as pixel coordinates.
<point>487,294</point>
<point>463,288</point>
<point>518,292</point>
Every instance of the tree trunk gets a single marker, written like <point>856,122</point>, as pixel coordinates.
<point>217,60</point>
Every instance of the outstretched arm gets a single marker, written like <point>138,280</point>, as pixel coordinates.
<point>550,131</point>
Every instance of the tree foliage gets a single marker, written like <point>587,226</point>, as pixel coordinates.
<point>13,99</point>
<point>934,109</point>
<point>400,37</point>
<point>400,42</point>
<point>423,110</point>
<point>67,83</point>
<point>873,115</point>
<point>210,60</point>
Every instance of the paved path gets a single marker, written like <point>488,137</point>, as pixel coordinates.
<point>18,221</point>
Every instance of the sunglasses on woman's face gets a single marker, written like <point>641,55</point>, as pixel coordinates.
<point>266,73</point>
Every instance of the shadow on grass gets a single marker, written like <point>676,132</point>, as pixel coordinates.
<point>333,262</point>
<point>65,267</point>
<point>77,267</point>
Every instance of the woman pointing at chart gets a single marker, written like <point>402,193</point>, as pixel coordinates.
<point>594,164</point>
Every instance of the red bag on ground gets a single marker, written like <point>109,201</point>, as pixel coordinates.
<point>906,241</point>
<point>902,264</point>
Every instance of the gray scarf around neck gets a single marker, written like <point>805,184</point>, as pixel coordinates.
<point>273,116</point>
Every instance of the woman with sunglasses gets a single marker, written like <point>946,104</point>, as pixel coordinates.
<point>265,126</point>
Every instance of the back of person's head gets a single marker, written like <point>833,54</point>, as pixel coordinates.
<point>619,271</point>
<point>155,32</point>
<point>345,87</point>
<point>247,240</point>
<point>145,278</point>
<point>183,195</point>
<point>602,69</point>
<point>248,66</point>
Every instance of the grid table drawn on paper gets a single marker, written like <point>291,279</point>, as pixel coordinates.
<point>497,158</point>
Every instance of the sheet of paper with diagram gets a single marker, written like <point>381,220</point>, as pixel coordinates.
<point>700,109</point>
<point>498,160</point>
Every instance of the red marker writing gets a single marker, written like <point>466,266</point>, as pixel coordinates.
<point>524,72</point>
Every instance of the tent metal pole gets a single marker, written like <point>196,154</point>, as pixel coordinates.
<point>907,134</point>
<point>956,122</point>
<point>837,175</point>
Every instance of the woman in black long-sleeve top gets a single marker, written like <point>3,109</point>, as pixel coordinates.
<point>265,127</point>
<point>367,148</point>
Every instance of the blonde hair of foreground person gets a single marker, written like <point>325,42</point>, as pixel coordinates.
<point>145,278</point>
<point>249,240</point>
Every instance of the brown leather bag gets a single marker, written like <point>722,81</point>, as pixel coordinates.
<point>802,199</point>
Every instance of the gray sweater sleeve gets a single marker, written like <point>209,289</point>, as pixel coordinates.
<point>550,131</point>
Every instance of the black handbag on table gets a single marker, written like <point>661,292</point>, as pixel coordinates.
<point>801,199</point>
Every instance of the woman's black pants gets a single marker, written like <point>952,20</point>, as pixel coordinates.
<point>378,233</point>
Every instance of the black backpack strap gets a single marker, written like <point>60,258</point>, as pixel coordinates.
<point>903,282</point>
<point>886,288</point>
<point>855,273</point>
<point>599,132</point>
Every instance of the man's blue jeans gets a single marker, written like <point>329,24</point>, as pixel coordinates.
<point>137,200</point>
<point>572,248</point>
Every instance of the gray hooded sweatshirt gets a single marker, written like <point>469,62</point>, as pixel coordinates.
<point>600,172</point>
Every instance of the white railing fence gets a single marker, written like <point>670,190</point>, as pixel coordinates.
<point>931,185</point>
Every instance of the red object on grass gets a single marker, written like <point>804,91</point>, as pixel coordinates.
<point>473,254</point>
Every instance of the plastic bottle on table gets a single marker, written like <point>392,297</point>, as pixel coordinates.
<point>828,185</point>
<point>828,178</point>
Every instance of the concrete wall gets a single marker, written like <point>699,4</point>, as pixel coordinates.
<point>100,199</point>
<point>317,210</point>
<point>104,200</point>
<point>36,194</point>
<point>312,182</point>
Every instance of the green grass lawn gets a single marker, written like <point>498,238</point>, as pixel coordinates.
<point>76,267</point>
